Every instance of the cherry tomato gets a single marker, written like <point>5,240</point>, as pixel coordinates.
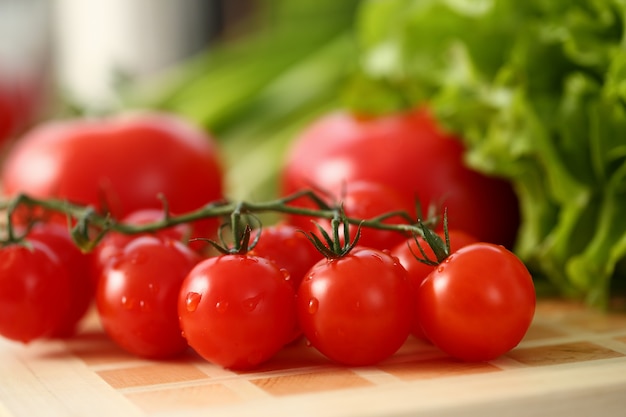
<point>80,273</point>
<point>289,248</point>
<point>237,311</point>
<point>118,165</point>
<point>356,309</point>
<point>478,303</point>
<point>113,243</point>
<point>34,291</point>
<point>409,153</point>
<point>137,296</point>
<point>363,200</point>
<point>418,271</point>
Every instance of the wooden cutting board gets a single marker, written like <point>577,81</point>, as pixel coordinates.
<point>572,362</point>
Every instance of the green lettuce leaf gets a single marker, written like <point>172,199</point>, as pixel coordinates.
<point>537,90</point>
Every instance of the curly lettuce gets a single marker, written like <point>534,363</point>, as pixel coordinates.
<point>537,90</point>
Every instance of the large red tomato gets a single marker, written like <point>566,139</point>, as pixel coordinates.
<point>122,164</point>
<point>361,200</point>
<point>410,153</point>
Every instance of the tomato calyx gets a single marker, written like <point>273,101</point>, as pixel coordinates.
<point>440,247</point>
<point>240,239</point>
<point>334,247</point>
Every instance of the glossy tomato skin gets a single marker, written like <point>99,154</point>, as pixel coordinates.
<point>137,296</point>
<point>289,248</point>
<point>113,243</point>
<point>478,304</point>
<point>80,273</point>
<point>34,291</point>
<point>408,152</point>
<point>418,271</point>
<point>120,164</point>
<point>356,309</point>
<point>237,311</point>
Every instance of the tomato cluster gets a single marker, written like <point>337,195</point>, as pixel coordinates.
<point>356,300</point>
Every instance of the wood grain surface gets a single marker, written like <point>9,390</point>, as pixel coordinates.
<point>572,362</point>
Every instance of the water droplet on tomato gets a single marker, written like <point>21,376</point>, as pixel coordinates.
<point>192,300</point>
<point>440,268</point>
<point>221,306</point>
<point>183,335</point>
<point>249,304</point>
<point>286,274</point>
<point>313,306</point>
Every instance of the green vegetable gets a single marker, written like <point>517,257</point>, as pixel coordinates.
<point>537,90</point>
<point>256,90</point>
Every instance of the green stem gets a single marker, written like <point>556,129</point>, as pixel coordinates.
<point>87,215</point>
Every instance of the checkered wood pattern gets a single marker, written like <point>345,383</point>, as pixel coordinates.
<point>564,338</point>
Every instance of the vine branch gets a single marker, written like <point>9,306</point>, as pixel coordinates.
<point>87,221</point>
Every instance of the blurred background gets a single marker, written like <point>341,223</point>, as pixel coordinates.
<point>251,72</point>
<point>535,89</point>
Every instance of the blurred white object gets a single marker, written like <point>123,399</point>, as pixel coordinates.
<point>24,62</point>
<point>24,26</point>
<point>98,40</point>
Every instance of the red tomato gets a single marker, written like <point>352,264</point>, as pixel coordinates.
<point>409,153</point>
<point>478,303</point>
<point>237,311</point>
<point>418,271</point>
<point>120,165</point>
<point>78,265</point>
<point>113,243</point>
<point>356,309</point>
<point>34,291</point>
<point>289,248</point>
<point>137,296</point>
<point>363,200</point>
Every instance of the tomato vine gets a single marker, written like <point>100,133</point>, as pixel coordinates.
<point>255,302</point>
<point>88,226</point>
